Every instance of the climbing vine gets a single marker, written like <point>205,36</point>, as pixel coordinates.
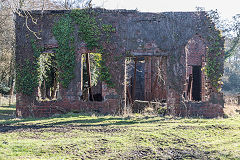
<point>213,66</point>
<point>65,53</point>
<point>27,74</point>
<point>88,29</point>
<point>90,32</point>
<point>47,70</point>
<point>215,52</point>
<point>27,78</point>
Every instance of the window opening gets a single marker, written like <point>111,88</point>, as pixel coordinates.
<point>91,85</point>
<point>47,74</point>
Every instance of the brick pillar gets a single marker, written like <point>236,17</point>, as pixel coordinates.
<point>22,104</point>
<point>147,92</point>
<point>173,102</point>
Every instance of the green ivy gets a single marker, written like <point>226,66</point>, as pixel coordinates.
<point>107,28</point>
<point>90,32</point>
<point>212,68</point>
<point>88,28</point>
<point>65,53</point>
<point>27,78</point>
<point>36,50</point>
<point>29,74</point>
<point>46,68</point>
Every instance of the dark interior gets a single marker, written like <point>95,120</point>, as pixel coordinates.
<point>196,88</point>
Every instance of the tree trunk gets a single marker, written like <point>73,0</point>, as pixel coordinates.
<point>134,79</point>
<point>89,76</point>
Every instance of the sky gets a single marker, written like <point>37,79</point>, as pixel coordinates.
<point>226,8</point>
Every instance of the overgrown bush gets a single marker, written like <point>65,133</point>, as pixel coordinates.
<point>4,89</point>
<point>162,111</point>
<point>233,83</point>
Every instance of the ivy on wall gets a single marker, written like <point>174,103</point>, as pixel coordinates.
<point>27,74</point>
<point>88,28</point>
<point>27,78</point>
<point>215,52</point>
<point>47,70</point>
<point>90,32</point>
<point>63,30</point>
<point>65,53</point>
<point>213,66</point>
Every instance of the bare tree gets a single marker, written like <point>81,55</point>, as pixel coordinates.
<point>7,29</point>
<point>7,43</point>
<point>71,4</point>
<point>230,29</point>
<point>7,33</point>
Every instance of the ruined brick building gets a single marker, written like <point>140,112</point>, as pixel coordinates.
<point>150,57</point>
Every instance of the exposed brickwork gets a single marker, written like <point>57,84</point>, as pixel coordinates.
<point>148,72</point>
<point>149,35</point>
<point>195,50</point>
<point>201,109</point>
<point>46,109</point>
<point>159,78</point>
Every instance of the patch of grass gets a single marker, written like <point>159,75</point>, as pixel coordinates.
<point>7,112</point>
<point>81,136</point>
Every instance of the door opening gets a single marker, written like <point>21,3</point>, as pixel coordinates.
<point>196,86</point>
<point>145,78</point>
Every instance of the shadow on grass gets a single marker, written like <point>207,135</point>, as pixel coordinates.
<point>7,112</point>
<point>79,120</point>
<point>14,125</point>
<point>115,121</point>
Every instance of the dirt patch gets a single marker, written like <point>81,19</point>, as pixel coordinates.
<point>12,128</point>
<point>166,153</point>
<point>97,151</point>
<point>140,153</point>
<point>223,127</point>
<point>60,128</point>
<point>173,153</point>
<point>106,130</point>
<point>183,127</point>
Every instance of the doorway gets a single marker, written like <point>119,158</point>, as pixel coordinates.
<point>145,78</point>
<point>196,86</point>
<point>135,78</point>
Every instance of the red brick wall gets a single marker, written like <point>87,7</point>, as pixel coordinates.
<point>142,33</point>
<point>46,109</point>
<point>195,56</point>
<point>148,72</point>
<point>201,109</point>
<point>159,78</point>
<point>195,50</point>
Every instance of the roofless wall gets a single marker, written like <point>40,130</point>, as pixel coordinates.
<point>104,60</point>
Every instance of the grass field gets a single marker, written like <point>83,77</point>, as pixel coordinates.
<point>79,136</point>
<point>7,112</point>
